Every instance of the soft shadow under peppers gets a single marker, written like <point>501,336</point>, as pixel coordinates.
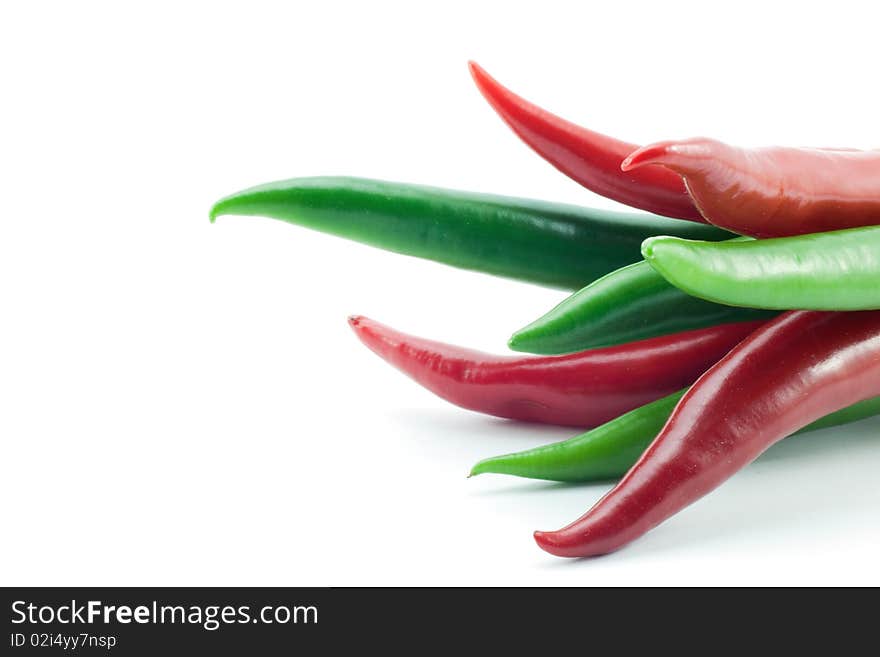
<point>794,370</point>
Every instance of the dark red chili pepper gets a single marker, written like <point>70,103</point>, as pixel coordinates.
<point>799,367</point>
<point>772,192</point>
<point>584,389</point>
<point>590,158</point>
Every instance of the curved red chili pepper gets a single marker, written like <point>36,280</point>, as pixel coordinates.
<point>795,369</point>
<point>590,158</point>
<point>584,389</point>
<point>771,192</point>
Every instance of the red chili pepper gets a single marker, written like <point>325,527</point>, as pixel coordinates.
<point>795,369</point>
<point>584,389</point>
<point>771,192</point>
<point>588,157</point>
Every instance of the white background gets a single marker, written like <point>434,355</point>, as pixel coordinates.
<point>182,403</point>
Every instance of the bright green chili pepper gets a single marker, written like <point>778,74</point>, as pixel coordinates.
<point>839,270</point>
<point>556,245</point>
<point>609,451</point>
<point>629,304</point>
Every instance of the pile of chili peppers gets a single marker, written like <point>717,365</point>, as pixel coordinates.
<point>752,315</point>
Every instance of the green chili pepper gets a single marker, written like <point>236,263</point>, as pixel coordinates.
<point>556,245</point>
<point>839,270</point>
<point>609,451</point>
<point>629,304</point>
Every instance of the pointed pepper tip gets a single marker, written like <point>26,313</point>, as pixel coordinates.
<point>650,154</point>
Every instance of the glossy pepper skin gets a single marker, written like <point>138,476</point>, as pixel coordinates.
<point>771,192</point>
<point>790,372</point>
<point>583,390</point>
<point>631,303</point>
<point>590,158</point>
<point>608,451</point>
<point>839,270</point>
<point>560,246</point>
